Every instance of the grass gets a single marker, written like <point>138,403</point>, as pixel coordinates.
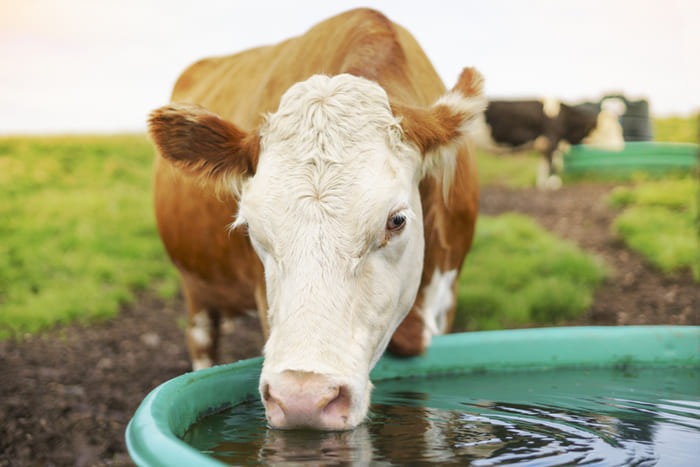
<point>77,236</point>
<point>660,219</point>
<point>511,170</point>
<point>517,274</point>
<point>677,129</point>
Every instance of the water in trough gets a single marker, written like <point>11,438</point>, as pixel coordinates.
<point>556,417</point>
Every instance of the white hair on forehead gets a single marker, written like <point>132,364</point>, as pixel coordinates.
<point>325,116</point>
<point>333,154</point>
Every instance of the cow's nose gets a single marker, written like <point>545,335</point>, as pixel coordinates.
<point>299,399</point>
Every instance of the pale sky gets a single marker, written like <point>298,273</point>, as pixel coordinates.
<point>102,65</point>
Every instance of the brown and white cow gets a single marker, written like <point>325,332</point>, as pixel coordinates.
<point>508,126</point>
<point>343,160</point>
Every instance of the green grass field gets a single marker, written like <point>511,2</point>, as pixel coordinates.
<point>660,219</point>
<point>517,274</point>
<point>512,170</point>
<point>77,234</point>
<point>677,129</point>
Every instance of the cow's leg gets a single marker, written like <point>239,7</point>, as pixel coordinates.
<point>547,177</point>
<point>202,333</point>
<point>407,340</point>
<point>203,329</point>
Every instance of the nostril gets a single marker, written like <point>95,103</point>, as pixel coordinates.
<point>266,392</point>
<point>331,394</point>
<point>274,410</point>
<point>339,406</point>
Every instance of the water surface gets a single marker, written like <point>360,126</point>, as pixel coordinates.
<point>563,417</point>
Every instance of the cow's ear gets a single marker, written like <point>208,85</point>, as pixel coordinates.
<point>438,131</point>
<point>203,144</point>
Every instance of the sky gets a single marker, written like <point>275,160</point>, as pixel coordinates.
<point>100,66</point>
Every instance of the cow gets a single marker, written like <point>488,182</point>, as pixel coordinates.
<point>328,182</point>
<point>542,125</point>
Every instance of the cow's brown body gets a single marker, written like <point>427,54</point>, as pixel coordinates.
<point>221,273</point>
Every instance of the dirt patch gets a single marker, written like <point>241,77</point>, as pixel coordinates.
<point>66,396</point>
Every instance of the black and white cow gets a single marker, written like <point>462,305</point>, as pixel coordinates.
<point>542,125</point>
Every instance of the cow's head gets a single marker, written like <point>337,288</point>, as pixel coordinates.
<point>328,193</point>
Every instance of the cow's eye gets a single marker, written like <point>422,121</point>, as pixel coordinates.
<point>396,222</point>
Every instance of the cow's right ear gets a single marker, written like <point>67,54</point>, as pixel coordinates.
<point>203,144</point>
<point>437,131</point>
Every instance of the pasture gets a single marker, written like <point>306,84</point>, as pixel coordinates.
<point>518,274</point>
<point>660,220</point>
<point>78,233</point>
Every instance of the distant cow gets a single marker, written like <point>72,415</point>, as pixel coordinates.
<point>542,125</point>
<point>319,148</point>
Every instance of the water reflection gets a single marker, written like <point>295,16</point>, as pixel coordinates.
<point>649,418</point>
<point>300,447</point>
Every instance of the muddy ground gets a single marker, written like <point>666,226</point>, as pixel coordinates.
<point>66,396</point>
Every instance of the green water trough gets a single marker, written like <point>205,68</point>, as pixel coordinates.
<point>153,434</point>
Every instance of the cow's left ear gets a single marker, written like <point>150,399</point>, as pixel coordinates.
<point>437,131</point>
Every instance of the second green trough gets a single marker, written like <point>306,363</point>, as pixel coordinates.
<point>636,156</point>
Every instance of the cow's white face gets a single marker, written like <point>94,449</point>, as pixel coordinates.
<point>334,213</point>
<point>329,196</point>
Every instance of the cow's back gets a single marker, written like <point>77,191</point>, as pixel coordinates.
<point>242,87</point>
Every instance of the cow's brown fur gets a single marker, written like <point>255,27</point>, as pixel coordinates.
<point>220,272</point>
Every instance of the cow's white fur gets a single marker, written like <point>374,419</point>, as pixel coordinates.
<point>607,133</point>
<point>200,334</point>
<point>551,107</point>
<point>437,301</point>
<point>201,363</point>
<point>443,163</point>
<point>333,167</point>
<point>200,331</point>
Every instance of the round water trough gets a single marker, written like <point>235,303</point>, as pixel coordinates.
<point>153,435</point>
